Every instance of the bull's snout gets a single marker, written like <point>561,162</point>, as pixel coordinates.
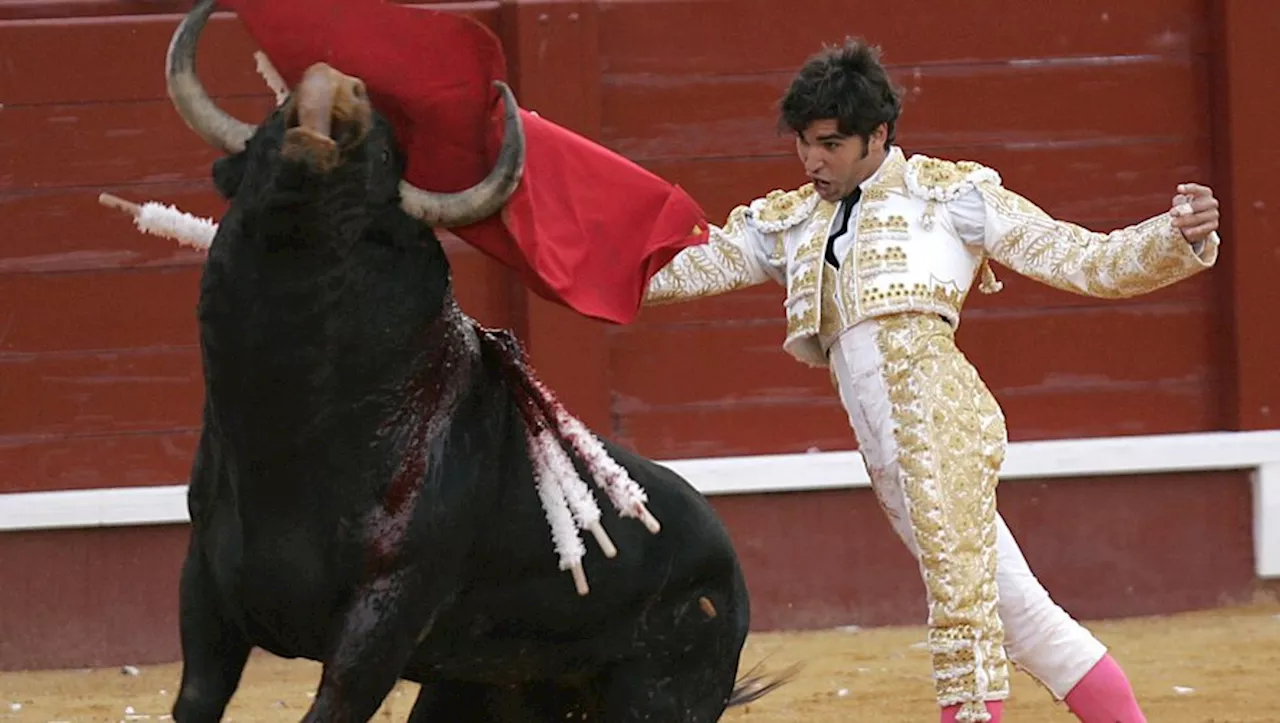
<point>329,111</point>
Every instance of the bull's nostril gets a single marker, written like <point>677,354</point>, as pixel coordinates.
<point>358,91</point>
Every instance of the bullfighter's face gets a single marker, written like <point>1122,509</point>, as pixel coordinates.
<point>836,163</point>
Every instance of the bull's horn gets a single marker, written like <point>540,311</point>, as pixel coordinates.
<point>486,198</point>
<point>201,114</point>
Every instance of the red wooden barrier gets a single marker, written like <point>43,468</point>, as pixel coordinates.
<point>1095,110</point>
<point>1247,155</point>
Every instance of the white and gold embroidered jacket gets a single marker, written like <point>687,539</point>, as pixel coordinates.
<point>922,231</point>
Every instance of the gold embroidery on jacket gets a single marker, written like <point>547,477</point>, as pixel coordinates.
<point>803,299</point>
<point>801,321</point>
<point>782,209</point>
<point>715,267</point>
<point>1124,263</point>
<point>942,174</point>
<point>892,225</point>
<point>940,181</point>
<point>872,261</point>
<point>831,321</point>
<point>875,194</point>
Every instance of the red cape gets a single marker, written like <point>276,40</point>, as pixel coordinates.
<point>587,228</point>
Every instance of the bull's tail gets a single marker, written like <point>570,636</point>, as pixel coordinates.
<point>755,685</point>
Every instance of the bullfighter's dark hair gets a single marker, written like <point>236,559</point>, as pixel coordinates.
<point>846,83</point>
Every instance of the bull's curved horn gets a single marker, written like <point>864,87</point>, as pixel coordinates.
<point>486,198</point>
<point>201,114</point>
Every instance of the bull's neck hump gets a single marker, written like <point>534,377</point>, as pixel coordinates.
<point>326,331</point>
<point>290,409</point>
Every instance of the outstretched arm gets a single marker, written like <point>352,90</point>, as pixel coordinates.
<point>736,256</point>
<point>1127,262</point>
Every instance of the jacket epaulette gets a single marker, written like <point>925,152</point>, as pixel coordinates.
<point>936,179</point>
<point>780,210</point>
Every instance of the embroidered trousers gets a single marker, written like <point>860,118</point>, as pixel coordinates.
<point>933,439</point>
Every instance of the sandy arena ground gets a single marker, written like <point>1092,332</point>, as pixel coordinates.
<point>1211,667</point>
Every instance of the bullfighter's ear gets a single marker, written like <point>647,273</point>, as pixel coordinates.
<point>228,171</point>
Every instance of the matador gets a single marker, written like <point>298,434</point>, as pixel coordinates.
<point>877,254</point>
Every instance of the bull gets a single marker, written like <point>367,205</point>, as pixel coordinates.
<point>363,493</point>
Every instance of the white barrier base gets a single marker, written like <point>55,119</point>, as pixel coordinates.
<point>1102,456</point>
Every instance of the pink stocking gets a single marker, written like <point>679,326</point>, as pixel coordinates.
<point>1104,695</point>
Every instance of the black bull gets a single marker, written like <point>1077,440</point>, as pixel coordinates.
<point>363,494</point>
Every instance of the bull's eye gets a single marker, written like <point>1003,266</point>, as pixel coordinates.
<point>385,156</point>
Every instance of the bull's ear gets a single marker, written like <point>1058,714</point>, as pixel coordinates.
<point>228,171</point>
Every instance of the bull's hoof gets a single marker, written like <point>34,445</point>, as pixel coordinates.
<point>318,151</point>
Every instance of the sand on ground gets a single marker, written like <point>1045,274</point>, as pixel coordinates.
<point>1220,666</point>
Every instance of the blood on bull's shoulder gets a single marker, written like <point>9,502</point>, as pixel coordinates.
<point>377,474</point>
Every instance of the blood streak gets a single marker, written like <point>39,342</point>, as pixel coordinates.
<point>536,406</point>
<point>430,398</point>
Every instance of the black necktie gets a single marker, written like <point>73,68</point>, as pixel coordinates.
<point>848,203</point>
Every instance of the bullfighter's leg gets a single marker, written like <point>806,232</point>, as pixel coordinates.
<point>933,441</point>
<point>214,651</point>
<point>382,625</point>
<point>1039,636</point>
<point>1055,649</point>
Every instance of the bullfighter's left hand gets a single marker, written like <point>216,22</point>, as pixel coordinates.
<point>1195,212</point>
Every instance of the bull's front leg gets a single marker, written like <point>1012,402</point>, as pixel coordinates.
<point>413,543</point>
<point>214,650</point>
<point>383,624</point>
